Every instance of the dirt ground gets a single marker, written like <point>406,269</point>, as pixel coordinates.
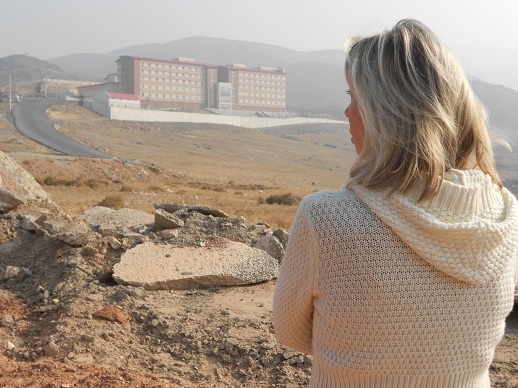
<point>52,333</point>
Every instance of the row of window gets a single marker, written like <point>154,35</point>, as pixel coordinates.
<point>170,74</point>
<point>260,75</point>
<point>261,88</point>
<point>169,87</point>
<point>263,102</point>
<point>172,96</point>
<point>177,81</point>
<point>261,95</point>
<point>264,82</point>
<point>172,67</point>
<point>182,81</point>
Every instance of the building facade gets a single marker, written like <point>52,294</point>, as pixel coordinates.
<point>182,83</point>
<point>255,89</point>
<point>179,83</point>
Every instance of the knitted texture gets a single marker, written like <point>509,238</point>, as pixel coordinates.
<point>388,292</point>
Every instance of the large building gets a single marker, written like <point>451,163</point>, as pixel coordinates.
<point>183,83</point>
<point>257,89</point>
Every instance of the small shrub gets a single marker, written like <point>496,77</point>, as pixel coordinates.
<point>51,181</point>
<point>112,201</point>
<point>155,189</point>
<point>92,183</point>
<point>283,199</point>
<point>127,188</point>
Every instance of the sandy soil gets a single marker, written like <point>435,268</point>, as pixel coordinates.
<point>210,338</point>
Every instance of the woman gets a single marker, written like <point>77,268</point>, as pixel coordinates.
<point>405,277</point>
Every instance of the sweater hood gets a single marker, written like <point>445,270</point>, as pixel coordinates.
<point>468,231</point>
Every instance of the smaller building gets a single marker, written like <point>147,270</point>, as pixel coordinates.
<point>88,91</point>
<point>102,102</point>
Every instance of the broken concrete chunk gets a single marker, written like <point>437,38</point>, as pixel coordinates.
<point>165,220</point>
<point>271,245</point>
<point>208,211</point>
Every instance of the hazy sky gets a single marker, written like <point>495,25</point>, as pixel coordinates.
<point>51,28</point>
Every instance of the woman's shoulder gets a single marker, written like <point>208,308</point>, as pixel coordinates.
<point>331,199</point>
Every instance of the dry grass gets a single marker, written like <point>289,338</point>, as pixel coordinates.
<point>115,202</point>
<point>223,167</point>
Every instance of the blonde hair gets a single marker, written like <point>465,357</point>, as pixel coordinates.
<point>420,115</point>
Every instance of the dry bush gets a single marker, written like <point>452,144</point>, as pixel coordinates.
<point>52,181</point>
<point>207,186</point>
<point>94,183</point>
<point>242,186</point>
<point>28,162</point>
<point>283,199</point>
<point>112,201</point>
<point>127,188</point>
<point>156,189</point>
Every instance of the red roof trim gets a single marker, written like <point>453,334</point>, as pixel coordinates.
<point>123,96</point>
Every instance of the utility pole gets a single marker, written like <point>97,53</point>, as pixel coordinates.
<point>14,82</point>
<point>10,107</point>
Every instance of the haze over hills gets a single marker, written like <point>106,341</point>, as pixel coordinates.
<point>315,80</point>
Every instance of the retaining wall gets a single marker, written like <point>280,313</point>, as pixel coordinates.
<point>118,113</point>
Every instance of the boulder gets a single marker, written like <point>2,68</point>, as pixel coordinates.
<point>105,218</point>
<point>272,246</point>
<point>18,187</point>
<point>281,235</point>
<point>165,220</point>
<point>160,267</point>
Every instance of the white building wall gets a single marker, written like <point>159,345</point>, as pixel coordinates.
<point>121,103</point>
<point>118,113</point>
<point>100,104</point>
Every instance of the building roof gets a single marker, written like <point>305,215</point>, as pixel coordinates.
<point>123,96</point>
<point>187,62</point>
<point>95,85</point>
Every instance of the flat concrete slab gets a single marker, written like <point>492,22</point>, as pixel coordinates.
<point>159,267</point>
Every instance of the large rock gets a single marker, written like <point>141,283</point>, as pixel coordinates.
<point>160,267</point>
<point>106,218</point>
<point>18,187</point>
<point>272,246</point>
<point>165,220</point>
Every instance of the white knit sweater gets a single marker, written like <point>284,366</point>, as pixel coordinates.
<point>387,292</point>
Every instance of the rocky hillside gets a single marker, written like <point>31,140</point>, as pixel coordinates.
<point>70,295</point>
<point>178,298</point>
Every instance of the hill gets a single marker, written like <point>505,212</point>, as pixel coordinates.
<point>27,68</point>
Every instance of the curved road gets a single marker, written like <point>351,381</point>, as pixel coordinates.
<point>32,121</point>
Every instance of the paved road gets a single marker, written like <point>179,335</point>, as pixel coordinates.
<point>32,121</point>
